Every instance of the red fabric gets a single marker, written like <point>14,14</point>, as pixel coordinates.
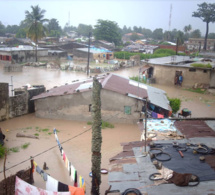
<point>76,191</point>
<point>160,116</point>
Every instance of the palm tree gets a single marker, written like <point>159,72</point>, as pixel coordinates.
<point>35,20</point>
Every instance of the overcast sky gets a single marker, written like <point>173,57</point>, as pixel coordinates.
<point>150,14</point>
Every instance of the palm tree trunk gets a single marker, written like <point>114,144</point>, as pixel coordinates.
<point>206,36</point>
<point>96,138</point>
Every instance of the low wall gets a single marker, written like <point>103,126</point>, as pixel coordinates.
<point>4,101</point>
<point>13,68</point>
<point>18,104</point>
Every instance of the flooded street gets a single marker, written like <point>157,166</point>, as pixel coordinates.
<point>201,105</point>
<point>49,78</point>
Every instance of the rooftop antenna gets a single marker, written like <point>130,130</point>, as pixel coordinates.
<point>170,17</point>
<point>69,19</point>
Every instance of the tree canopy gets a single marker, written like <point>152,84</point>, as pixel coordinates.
<point>108,31</point>
<point>84,29</point>
<point>195,34</point>
<point>35,20</point>
<point>206,12</point>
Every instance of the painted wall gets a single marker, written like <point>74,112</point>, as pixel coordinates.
<point>166,74</point>
<point>76,107</point>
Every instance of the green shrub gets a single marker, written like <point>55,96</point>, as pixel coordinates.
<point>2,151</point>
<point>197,90</point>
<point>14,149</point>
<point>175,104</point>
<point>107,125</point>
<point>199,65</point>
<point>135,78</point>
<point>24,146</point>
<point>89,123</point>
<point>45,130</point>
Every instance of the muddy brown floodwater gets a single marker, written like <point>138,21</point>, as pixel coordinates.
<point>77,147</point>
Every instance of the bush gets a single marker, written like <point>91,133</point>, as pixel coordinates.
<point>157,54</point>
<point>175,104</point>
<point>2,151</point>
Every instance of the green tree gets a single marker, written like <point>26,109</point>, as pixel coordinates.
<point>147,33</point>
<point>187,28</point>
<point>211,36</point>
<point>2,29</point>
<point>84,29</point>
<point>108,31</point>
<point>35,20</point>
<point>21,33</point>
<point>180,37</point>
<point>124,30</point>
<point>206,12</point>
<point>53,28</point>
<point>12,29</point>
<point>134,37</point>
<point>195,34</point>
<point>158,34</point>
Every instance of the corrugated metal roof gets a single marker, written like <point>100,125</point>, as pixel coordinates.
<point>158,97</point>
<point>115,83</point>
<point>194,128</point>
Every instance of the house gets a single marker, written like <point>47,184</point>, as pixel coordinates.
<point>122,100</point>
<point>164,71</point>
<point>196,43</point>
<point>104,44</point>
<point>127,37</point>
<point>21,54</point>
<point>100,54</point>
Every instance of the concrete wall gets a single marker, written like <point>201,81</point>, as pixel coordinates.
<point>4,101</point>
<point>33,92</point>
<point>27,56</point>
<point>18,104</point>
<point>166,75</point>
<point>212,81</point>
<point>76,107</point>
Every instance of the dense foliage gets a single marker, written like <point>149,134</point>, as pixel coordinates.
<point>175,104</point>
<point>206,12</point>
<point>108,31</point>
<point>157,54</point>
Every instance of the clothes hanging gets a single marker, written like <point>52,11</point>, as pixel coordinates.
<point>24,188</point>
<point>51,184</point>
<point>76,191</point>
<point>62,187</point>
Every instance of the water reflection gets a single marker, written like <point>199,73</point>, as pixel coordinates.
<point>50,78</point>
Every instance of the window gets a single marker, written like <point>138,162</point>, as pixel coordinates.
<point>205,71</point>
<point>127,109</point>
<point>90,107</point>
<point>192,70</point>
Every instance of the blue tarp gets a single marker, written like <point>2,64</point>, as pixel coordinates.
<point>160,125</point>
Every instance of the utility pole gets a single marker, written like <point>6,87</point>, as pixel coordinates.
<point>96,137</point>
<point>12,85</point>
<point>88,59</point>
<point>146,110</point>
